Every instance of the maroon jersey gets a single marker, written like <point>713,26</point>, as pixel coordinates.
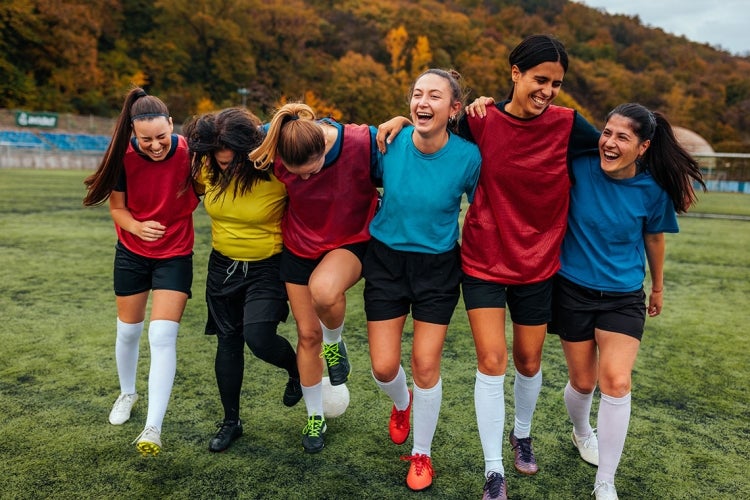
<point>333,207</point>
<point>155,190</point>
<point>514,228</point>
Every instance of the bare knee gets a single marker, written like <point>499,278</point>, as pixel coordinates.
<point>615,385</point>
<point>528,366</point>
<point>492,363</point>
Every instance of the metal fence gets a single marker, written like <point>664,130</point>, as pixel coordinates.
<point>725,172</point>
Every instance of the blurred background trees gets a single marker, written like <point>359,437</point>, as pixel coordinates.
<point>351,59</point>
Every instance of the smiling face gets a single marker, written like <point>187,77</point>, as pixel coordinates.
<point>154,136</point>
<point>535,89</point>
<point>620,147</point>
<point>432,104</point>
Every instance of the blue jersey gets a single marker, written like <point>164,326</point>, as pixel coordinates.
<point>603,248</point>
<point>422,193</point>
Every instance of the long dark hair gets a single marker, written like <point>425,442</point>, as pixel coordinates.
<point>669,163</point>
<point>535,50</point>
<point>235,129</point>
<point>137,106</point>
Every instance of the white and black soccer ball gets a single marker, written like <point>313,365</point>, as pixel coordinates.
<point>335,399</point>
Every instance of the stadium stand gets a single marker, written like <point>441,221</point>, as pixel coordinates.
<point>75,142</point>
<point>21,139</point>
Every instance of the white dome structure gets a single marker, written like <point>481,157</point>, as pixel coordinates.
<point>692,142</point>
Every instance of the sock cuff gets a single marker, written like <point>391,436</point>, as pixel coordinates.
<point>616,401</point>
<point>435,388</point>
<point>578,395</point>
<point>491,379</point>
<point>399,374</point>
<point>534,377</point>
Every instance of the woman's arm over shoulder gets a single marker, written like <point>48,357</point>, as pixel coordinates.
<point>584,136</point>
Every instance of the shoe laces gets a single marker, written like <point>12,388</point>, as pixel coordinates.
<point>226,427</point>
<point>149,431</point>
<point>603,486</point>
<point>494,484</point>
<point>589,440</point>
<point>331,353</point>
<point>422,463</point>
<point>314,426</point>
<point>292,385</point>
<point>400,417</point>
<point>524,446</point>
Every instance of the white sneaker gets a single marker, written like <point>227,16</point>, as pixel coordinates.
<point>121,409</point>
<point>148,442</point>
<point>604,491</point>
<point>588,447</point>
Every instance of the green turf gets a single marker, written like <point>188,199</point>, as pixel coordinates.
<point>689,432</point>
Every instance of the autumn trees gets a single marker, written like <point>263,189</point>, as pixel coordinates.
<point>352,59</point>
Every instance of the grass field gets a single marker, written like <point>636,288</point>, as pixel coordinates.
<point>689,434</point>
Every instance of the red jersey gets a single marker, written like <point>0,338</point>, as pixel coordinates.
<point>334,207</point>
<point>154,191</point>
<point>514,228</point>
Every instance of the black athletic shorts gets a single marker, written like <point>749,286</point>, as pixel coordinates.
<point>297,270</point>
<point>577,311</point>
<point>396,281</point>
<point>528,305</point>
<point>135,274</point>
<point>239,293</point>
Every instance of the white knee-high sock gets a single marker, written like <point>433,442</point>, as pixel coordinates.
<point>612,424</point>
<point>489,403</point>
<point>126,354</point>
<point>331,336</point>
<point>526,391</point>
<point>313,396</point>
<point>426,411</point>
<point>396,389</point>
<point>162,337</point>
<point>579,410</point>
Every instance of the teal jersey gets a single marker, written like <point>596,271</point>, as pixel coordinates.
<point>422,193</point>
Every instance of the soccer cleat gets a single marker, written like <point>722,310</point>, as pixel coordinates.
<point>229,430</point>
<point>148,442</point>
<point>604,490</point>
<point>292,392</point>
<point>588,447</point>
<point>495,487</point>
<point>525,462</point>
<point>420,472</point>
<point>121,409</point>
<point>312,434</point>
<point>399,427</point>
<point>337,362</point>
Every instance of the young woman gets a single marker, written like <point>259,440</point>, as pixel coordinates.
<point>511,239</point>
<point>623,201</point>
<point>326,168</point>
<point>413,261</point>
<point>144,174</point>
<point>246,298</point>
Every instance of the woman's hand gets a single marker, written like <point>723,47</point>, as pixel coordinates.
<point>388,130</point>
<point>478,108</point>
<point>149,230</point>
<point>655,302</point>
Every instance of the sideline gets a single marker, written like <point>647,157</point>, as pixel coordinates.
<point>700,215</point>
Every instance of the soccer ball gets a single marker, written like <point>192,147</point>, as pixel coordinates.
<point>335,399</point>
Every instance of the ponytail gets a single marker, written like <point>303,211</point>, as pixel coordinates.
<point>293,135</point>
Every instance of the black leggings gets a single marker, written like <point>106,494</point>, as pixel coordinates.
<point>265,344</point>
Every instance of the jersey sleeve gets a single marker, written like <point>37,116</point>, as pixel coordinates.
<point>584,138</point>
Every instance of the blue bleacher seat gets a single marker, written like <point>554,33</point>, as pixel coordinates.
<point>54,141</point>
<point>21,139</point>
